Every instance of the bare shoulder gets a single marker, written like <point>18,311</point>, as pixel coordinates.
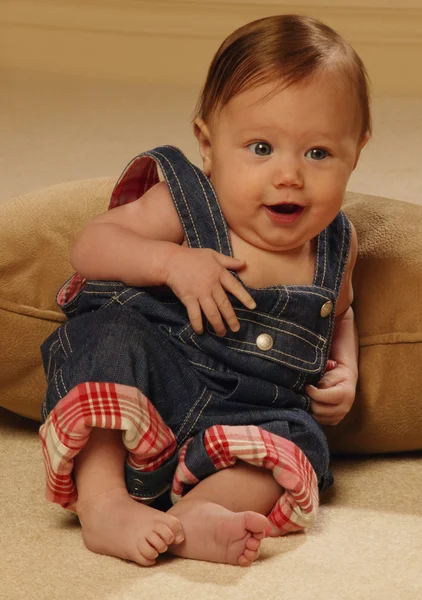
<point>153,215</point>
<point>345,297</point>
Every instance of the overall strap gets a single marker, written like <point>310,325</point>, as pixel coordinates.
<point>332,253</point>
<point>192,193</point>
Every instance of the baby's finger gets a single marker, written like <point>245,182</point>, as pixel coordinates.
<point>328,421</point>
<point>195,315</point>
<point>232,285</point>
<point>327,415</point>
<point>226,309</point>
<point>229,262</point>
<point>211,311</point>
<point>328,396</point>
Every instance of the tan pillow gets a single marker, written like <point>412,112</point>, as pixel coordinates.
<point>37,232</point>
<point>387,415</point>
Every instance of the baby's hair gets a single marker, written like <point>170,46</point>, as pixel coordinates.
<point>288,48</point>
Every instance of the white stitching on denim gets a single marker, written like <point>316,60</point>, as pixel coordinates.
<point>317,259</point>
<point>283,331</point>
<point>95,282</point>
<point>209,207</point>
<point>279,298</point>
<point>194,342</point>
<point>55,383</point>
<point>61,341</point>
<point>50,358</point>
<point>311,293</point>
<point>296,384</point>
<point>157,160</point>
<point>63,383</point>
<point>276,395</point>
<point>325,256</point>
<point>199,414</point>
<point>183,196</point>
<point>107,293</point>
<point>67,337</point>
<point>278,321</point>
<point>307,401</point>
<point>131,297</point>
<point>53,344</point>
<point>340,272</point>
<point>274,308</point>
<point>201,365</point>
<point>277,360</point>
<point>338,276</point>
<point>224,222</point>
<point>189,413</point>
<point>279,329</point>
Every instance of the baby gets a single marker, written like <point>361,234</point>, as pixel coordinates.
<point>210,332</point>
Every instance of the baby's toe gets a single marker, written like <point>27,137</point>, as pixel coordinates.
<point>157,542</point>
<point>176,529</point>
<point>148,553</point>
<point>251,555</point>
<point>253,544</point>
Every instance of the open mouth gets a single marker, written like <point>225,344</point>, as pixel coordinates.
<point>285,209</point>
<point>284,213</point>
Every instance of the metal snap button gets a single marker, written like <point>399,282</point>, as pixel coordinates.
<point>326,309</point>
<point>264,341</point>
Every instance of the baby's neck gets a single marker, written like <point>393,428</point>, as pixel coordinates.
<point>266,268</point>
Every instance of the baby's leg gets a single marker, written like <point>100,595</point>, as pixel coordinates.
<point>223,516</point>
<point>112,522</point>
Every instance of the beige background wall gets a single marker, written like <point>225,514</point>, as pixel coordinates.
<point>87,84</point>
<point>172,41</point>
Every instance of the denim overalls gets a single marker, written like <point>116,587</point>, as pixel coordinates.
<point>187,404</point>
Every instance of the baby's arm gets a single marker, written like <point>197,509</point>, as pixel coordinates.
<point>335,394</point>
<point>140,244</point>
<point>130,243</point>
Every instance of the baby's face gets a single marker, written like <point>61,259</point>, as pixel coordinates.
<point>280,165</point>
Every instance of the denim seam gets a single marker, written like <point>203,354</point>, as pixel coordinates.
<point>182,196</point>
<point>189,414</point>
<point>325,257</point>
<point>59,332</point>
<point>278,321</point>
<point>63,383</point>
<point>170,189</point>
<point>217,204</point>
<point>341,267</point>
<point>209,208</point>
<point>97,283</point>
<point>198,416</point>
<point>276,395</point>
<point>280,330</point>
<point>296,385</point>
<point>131,297</point>
<point>278,360</point>
<point>198,364</point>
<point>67,337</point>
<point>106,293</point>
<point>316,275</point>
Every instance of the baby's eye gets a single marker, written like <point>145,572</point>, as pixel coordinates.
<point>260,148</point>
<point>317,153</point>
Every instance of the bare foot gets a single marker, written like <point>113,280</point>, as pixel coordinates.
<point>113,523</point>
<point>217,534</point>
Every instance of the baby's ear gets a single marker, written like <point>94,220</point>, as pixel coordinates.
<point>361,145</point>
<point>202,134</point>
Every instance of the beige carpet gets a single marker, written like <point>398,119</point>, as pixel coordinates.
<point>367,544</point>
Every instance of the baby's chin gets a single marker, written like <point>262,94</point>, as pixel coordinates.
<point>273,244</point>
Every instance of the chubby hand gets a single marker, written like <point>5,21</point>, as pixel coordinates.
<point>332,399</point>
<point>200,279</point>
